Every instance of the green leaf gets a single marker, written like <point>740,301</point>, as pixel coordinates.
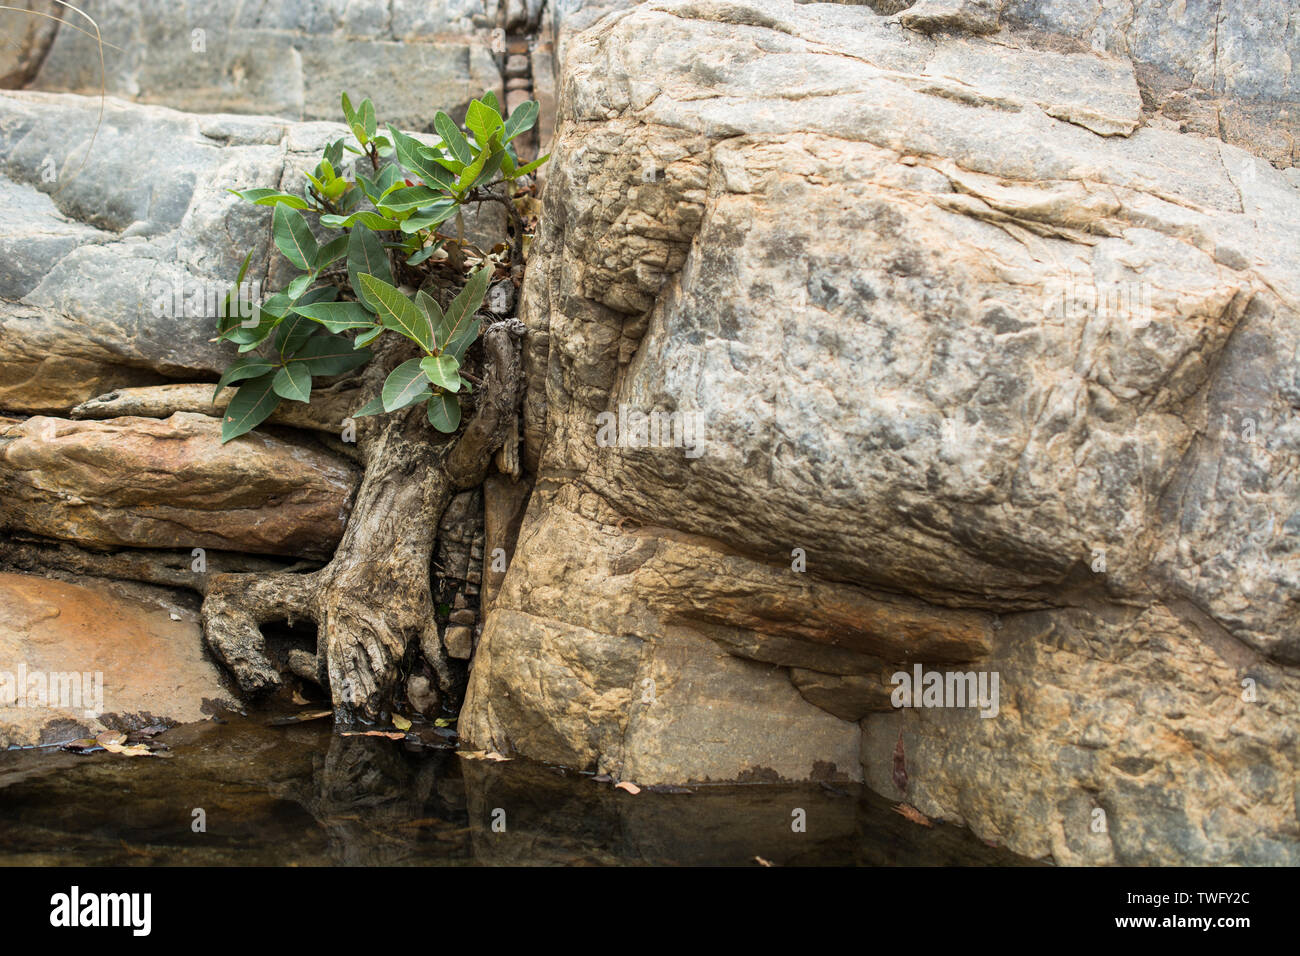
<point>431,309</point>
<point>442,370</point>
<point>293,237</point>
<point>371,220</point>
<point>415,258</point>
<point>365,338</point>
<point>252,405</point>
<point>444,412</point>
<point>338,316</point>
<point>334,154</point>
<point>463,339</point>
<point>366,117</point>
<point>228,318</point>
<point>334,249</point>
<point>373,407</point>
<point>453,138</point>
<point>405,385</point>
<point>389,176</point>
<point>439,171</point>
<point>418,158</point>
<point>293,382</point>
<point>535,164</point>
<point>429,218</point>
<point>349,113</point>
<point>243,368</point>
<point>521,119</point>
<point>490,99</point>
<point>271,197</point>
<point>483,121</point>
<point>298,286</point>
<point>485,164</point>
<point>460,314</point>
<point>366,255</point>
<point>292,333</point>
<point>413,197</point>
<point>248,337</point>
<point>329,355</point>
<point>399,313</point>
<point>277,305</point>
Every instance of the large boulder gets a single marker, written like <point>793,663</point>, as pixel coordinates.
<point>983,372</point>
<point>79,657</point>
<point>170,483</point>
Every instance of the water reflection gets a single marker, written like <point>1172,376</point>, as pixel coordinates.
<point>303,795</point>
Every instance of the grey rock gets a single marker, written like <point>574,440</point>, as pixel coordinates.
<point>285,59</point>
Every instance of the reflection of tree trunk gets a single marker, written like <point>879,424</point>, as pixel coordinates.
<point>373,600</point>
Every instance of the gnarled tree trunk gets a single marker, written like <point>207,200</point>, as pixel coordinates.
<point>373,599</point>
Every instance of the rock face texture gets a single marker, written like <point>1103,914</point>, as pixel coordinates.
<point>170,483</point>
<point>1219,69</point>
<point>956,337</point>
<point>122,239</point>
<point>287,59</point>
<point>955,361</point>
<point>79,658</point>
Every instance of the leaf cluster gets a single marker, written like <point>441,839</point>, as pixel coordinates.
<point>345,281</point>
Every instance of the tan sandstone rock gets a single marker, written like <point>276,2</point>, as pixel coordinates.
<point>170,483</point>
<point>1015,373</point>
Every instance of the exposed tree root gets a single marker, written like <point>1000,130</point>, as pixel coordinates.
<point>373,601</point>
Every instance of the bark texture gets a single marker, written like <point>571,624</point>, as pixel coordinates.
<point>372,603</point>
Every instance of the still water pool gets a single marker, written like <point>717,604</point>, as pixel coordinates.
<point>304,795</point>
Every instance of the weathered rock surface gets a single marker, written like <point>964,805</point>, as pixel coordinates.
<point>79,658</point>
<point>1016,376</point>
<point>170,483</point>
<point>1224,70</point>
<point>116,252</point>
<point>286,59</point>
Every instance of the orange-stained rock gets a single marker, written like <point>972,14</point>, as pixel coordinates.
<point>76,659</point>
<point>170,483</point>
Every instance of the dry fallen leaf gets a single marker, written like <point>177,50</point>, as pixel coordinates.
<point>390,734</point>
<point>762,862</point>
<point>913,814</point>
<point>482,755</point>
<point>629,786</point>
<point>112,741</point>
<point>401,723</point>
<point>303,717</point>
<point>82,745</point>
